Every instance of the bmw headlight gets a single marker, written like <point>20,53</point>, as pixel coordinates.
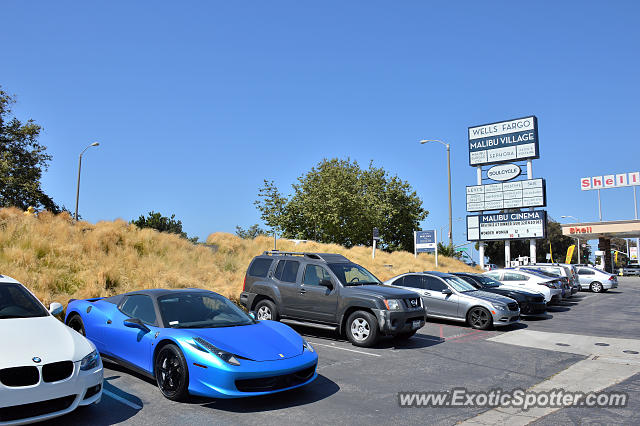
<point>499,306</point>
<point>227,357</point>
<point>306,345</point>
<point>90,361</point>
<point>393,304</point>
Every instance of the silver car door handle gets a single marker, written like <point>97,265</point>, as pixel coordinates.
<point>303,291</point>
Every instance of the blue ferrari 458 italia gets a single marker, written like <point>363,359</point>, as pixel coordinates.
<point>195,342</point>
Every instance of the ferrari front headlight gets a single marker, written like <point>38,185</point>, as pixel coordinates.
<point>227,357</point>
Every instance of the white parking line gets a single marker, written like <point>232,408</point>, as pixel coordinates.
<point>343,349</point>
<point>122,400</point>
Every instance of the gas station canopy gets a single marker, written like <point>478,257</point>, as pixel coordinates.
<point>597,230</point>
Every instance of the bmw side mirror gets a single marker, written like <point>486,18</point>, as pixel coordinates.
<point>447,291</point>
<point>252,314</point>
<point>56,308</point>
<point>327,283</point>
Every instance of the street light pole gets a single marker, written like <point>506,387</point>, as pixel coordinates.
<point>449,176</point>
<point>78,186</point>
<point>577,238</point>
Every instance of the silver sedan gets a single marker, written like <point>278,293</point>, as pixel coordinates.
<point>449,297</point>
<point>596,280</point>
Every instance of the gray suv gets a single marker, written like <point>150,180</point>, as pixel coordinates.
<point>328,291</point>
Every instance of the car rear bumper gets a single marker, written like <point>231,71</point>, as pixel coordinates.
<point>610,284</point>
<point>398,322</point>
<point>45,401</point>
<point>246,299</point>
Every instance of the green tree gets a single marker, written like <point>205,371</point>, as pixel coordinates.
<point>22,161</point>
<point>339,202</point>
<point>251,232</point>
<point>161,223</point>
<point>494,250</point>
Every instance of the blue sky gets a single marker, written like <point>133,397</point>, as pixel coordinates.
<point>195,103</point>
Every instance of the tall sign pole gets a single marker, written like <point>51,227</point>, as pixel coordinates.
<point>481,244</point>
<point>532,243</point>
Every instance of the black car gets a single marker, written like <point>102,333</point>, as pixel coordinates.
<point>530,302</point>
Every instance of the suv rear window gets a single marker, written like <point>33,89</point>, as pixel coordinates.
<point>260,267</point>
<point>287,270</point>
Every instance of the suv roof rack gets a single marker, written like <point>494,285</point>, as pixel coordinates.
<point>326,257</point>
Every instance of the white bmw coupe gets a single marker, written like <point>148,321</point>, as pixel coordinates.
<point>46,368</point>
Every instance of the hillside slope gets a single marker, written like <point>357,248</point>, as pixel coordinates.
<point>59,260</point>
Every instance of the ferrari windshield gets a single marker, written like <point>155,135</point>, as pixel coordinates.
<point>353,274</point>
<point>17,302</point>
<point>200,310</point>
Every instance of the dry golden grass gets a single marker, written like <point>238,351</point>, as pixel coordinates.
<point>59,260</point>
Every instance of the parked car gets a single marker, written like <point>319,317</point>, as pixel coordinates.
<point>565,270</point>
<point>46,369</point>
<point>490,266</point>
<point>548,286</point>
<point>631,269</point>
<point>195,342</point>
<point>449,297</point>
<point>530,302</point>
<point>564,281</point>
<point>596,280</point>
<point>328,291</point>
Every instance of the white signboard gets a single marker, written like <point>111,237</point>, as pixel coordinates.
<point>633,253</point>
<point>507,226</point>
<point>504,172</point>
<point>610,181</point>
<point>503,141</point>
<point>508,195</point>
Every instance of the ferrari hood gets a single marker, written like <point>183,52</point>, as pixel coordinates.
<point>263,341</point>
<point>42,337</point>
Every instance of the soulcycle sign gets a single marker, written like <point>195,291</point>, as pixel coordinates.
<point>504,172</point>
<point>504,141</point>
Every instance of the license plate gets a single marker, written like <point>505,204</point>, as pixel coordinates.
<point>416,324</point>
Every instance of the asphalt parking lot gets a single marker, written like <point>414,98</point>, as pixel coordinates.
<point>360,386</point>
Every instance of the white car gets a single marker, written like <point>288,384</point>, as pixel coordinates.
<point>46,368</point>
<point>518,279</point>
<point>596,280</point>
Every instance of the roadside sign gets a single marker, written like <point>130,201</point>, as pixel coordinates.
<point>504,141</point>
<point>425,242</point>
<point>376,234</point>
<point>507,226</point>
<point>507,195</point>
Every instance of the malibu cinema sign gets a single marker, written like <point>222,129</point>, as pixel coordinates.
<point>610,181</point>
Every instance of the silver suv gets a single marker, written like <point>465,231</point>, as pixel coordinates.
<point>449,297</point>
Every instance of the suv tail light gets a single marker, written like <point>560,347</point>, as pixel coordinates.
<point>244,283</point>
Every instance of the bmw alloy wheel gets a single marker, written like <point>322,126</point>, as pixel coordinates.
<point>360,329</point>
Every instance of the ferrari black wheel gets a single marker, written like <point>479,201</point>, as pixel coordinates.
<point>171,373</point>
<point>76,323</point>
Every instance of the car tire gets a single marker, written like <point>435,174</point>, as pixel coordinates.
<point>266,310</point>
<point>479,318</point>
<point>596,287</point>
<point>362,329</point>
<point>172,373</point>
<point>75,322</point>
